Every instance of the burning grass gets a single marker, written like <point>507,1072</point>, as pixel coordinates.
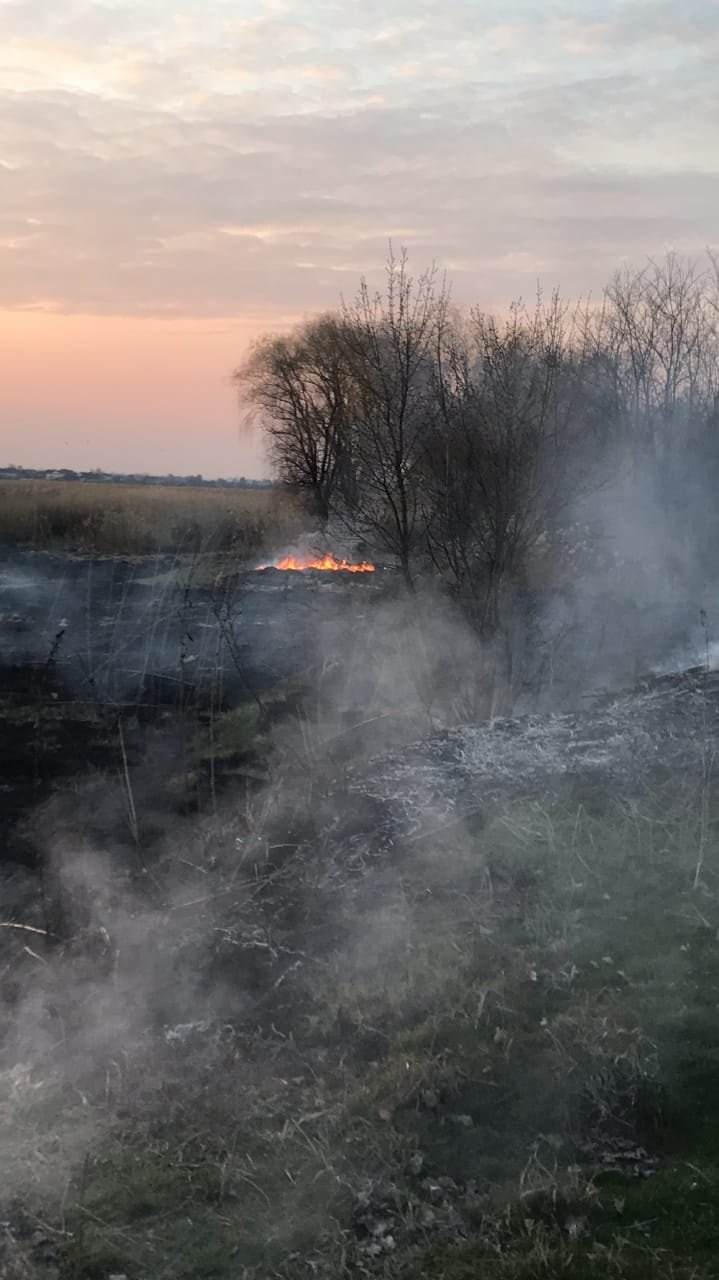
<point>321,563</point>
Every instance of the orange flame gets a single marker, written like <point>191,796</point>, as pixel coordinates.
<point>324,563</point>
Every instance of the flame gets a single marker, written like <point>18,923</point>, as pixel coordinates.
<point>326,563</point>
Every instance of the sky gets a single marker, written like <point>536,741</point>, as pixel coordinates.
<point>177,178</point>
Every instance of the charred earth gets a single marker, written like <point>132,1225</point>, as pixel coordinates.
<point>285,995</point>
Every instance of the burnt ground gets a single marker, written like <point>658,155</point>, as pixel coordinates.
<point>112,626</point>
<point>174,642</point>
<point>338,1035</point>
<point>446,1011</point>
<point>165,647</point>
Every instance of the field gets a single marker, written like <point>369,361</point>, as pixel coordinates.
<point>126,520</point>
<point>307,969</point>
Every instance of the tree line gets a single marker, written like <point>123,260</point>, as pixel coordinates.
<point>97,476</point>
<point>453,441</point>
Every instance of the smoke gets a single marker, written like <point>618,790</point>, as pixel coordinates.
<point>632,585</point>
<point>285,925</point>
<point>144,930</point>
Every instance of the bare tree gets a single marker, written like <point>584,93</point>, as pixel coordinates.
<point>390,341</point>
<point>660,326</point>
<point>504,461</point>
<point>459,441</point>
<point>299,385</point>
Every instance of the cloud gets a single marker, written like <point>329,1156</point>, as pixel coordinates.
<point>195,163</point>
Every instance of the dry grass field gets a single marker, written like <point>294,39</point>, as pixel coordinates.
<point>109,519</point>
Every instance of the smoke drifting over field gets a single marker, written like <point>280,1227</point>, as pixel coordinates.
<point>318,883</point>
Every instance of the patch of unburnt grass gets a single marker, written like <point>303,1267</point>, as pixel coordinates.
<point>627,955</point>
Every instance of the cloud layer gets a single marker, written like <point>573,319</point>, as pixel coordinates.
<point>252,159</point>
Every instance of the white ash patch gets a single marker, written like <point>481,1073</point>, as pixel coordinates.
<point>666,721</point>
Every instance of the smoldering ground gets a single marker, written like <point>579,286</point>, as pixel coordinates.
<point>272,1032</point>
<point>148,949</point>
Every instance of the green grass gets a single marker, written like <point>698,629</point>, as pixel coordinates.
<point>232,736</point>
<point>662,1228</point>
<point>520,1018</point>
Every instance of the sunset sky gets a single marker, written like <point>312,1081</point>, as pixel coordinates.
<point>177,177</point>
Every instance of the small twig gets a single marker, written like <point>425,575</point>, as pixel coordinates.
<point>30,928</point>
<point>362,724</point>
<point>128,785</point>
<point>707,768</point>
<point>244,1178</point>
<point>446,826</point>
<point>46,1226</point>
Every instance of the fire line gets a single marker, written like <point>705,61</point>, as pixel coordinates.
<point>325,564</point>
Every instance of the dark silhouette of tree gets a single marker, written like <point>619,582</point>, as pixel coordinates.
<point>298,385</point>
<point>390,341</point>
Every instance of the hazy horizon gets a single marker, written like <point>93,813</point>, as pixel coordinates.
<point>175,184</point>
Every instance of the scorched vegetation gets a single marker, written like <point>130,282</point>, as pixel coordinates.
<point>361,860</point>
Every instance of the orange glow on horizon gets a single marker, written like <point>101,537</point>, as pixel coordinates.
<point>125,393</point>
